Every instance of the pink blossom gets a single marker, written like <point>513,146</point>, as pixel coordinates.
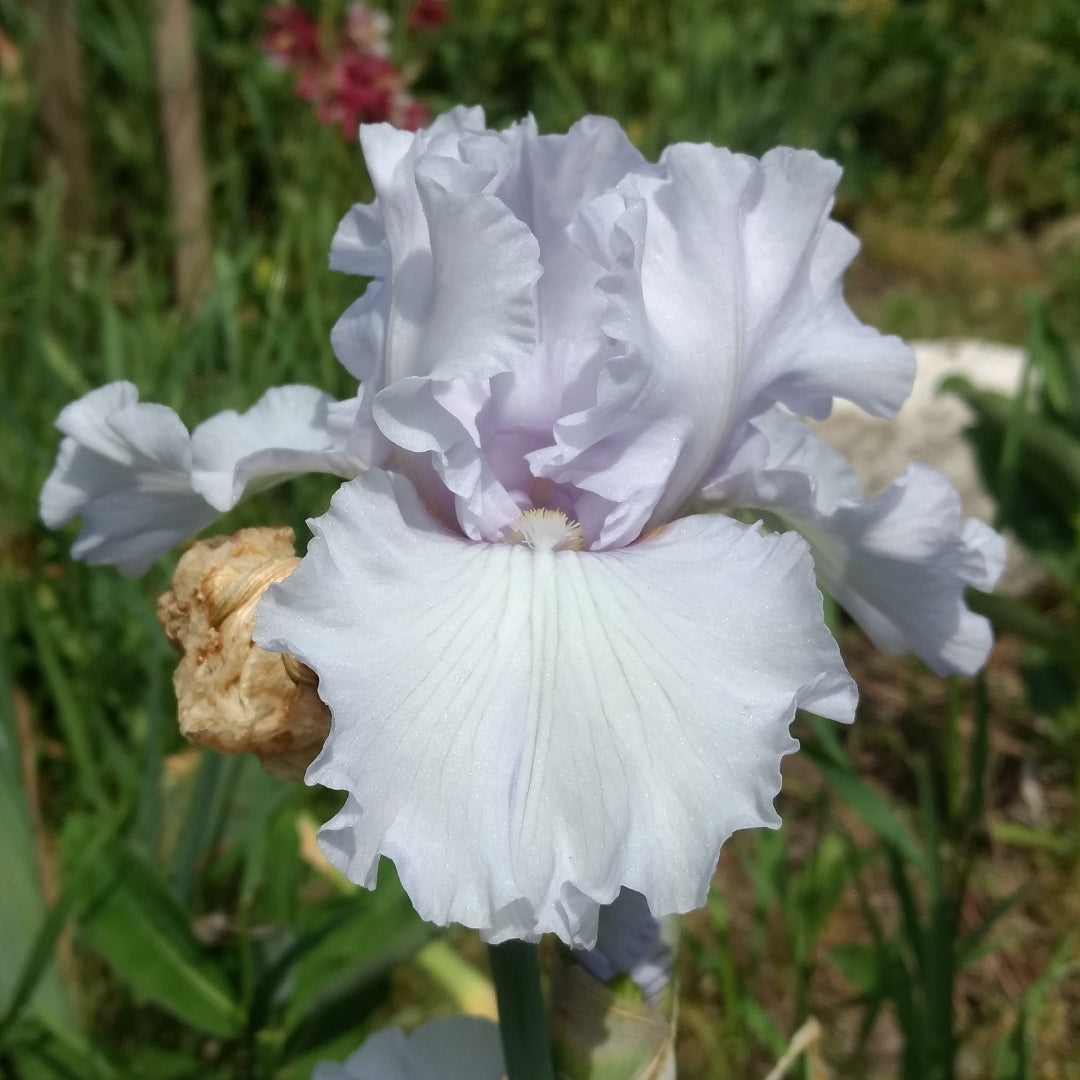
<point>352,83</point>
<point>368,29</point>
<point>428,15</point>
<point>293,36</point>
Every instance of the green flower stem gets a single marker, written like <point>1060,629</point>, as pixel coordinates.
<point>515,970</point>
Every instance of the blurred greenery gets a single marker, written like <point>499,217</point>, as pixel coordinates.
<point>969,103</point>
<point>160,912</point>
<point>1028,450</point>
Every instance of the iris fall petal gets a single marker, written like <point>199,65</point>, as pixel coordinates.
<point>898,563</point>
<point>285,433</point>
<point>125,467</point>
<point>142,484</point>
<point>489,699</point>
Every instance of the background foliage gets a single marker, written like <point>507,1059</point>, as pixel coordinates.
<point>161,910</point>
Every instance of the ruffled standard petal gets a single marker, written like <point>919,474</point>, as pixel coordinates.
<point>390,240</point>
<point>358,338</point>
<point>480,320</point>
<point>449,1048</point>
<point>551,180</point>
<point>807,345</point>
<point>125,467</point>
<point>623,443</point>
<point>471,312</point>
<point>360,245</point>
<point>430,238</point>
<point>623,448</point>
<point>733,298</point>
<point>285,433</point>
<point>899,564</point>
<point>526,732</point>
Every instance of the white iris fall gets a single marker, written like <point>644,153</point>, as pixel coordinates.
<point>556,666</point>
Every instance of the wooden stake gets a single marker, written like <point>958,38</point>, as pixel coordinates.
<point>181,128</point>
<point>63,110</point>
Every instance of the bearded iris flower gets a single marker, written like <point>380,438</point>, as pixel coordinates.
<point>559,662</point>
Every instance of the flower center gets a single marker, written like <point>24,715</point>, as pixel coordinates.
<point>546,530</point>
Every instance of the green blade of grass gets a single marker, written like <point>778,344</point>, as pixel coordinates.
<point>200,822</point>
<point>829,757</point>
<point>69,712</point>
<point>136,923</point>
<point>1046,452</point>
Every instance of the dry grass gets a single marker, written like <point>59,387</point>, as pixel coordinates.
<point>1035,942</point>
<point>926,281</point>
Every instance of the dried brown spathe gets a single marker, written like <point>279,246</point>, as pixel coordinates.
<point>232,695</point>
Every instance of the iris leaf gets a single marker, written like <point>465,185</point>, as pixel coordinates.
<point>139,927</point>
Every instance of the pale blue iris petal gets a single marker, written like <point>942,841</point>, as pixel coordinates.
<point>447,1048</point>
<point>285,433</point>
<point>524,733</point>
<point>898,563</point>
<point>125,468</point>
<point>631,940</point>
<point>142,484</point>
